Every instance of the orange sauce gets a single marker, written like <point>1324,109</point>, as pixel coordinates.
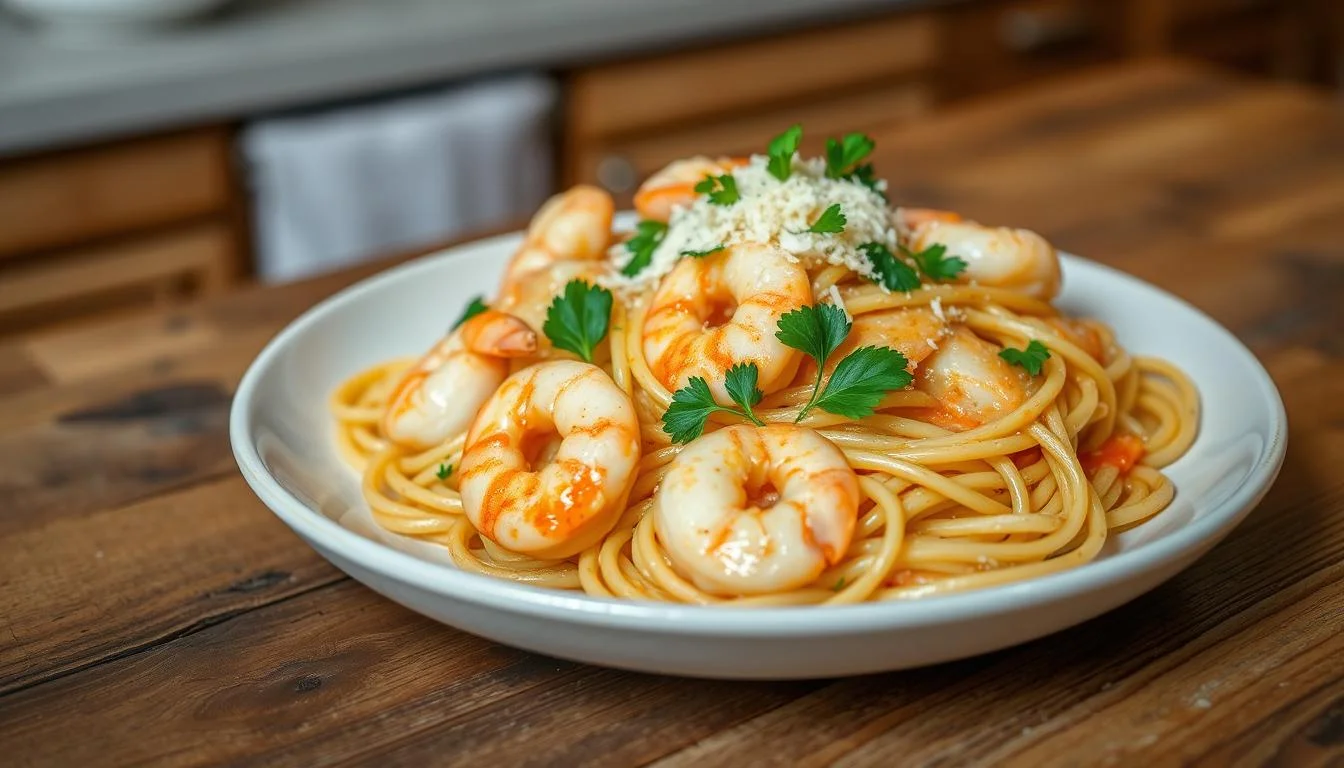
<point>1121,451</point>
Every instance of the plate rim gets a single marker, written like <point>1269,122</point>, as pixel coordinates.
<point>789,621</point>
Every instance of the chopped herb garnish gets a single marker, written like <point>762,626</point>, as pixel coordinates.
<point>691,405</point>
<point>934,262</point>
<point>831,221</point>
<point>1031,358</point>
<point>892,273</point>
<point>781,151</point>
<point>722,190</point>
<point>444,471</point>
<point>860,379</point>
<point>474,307</point>
<point>843,155</point>
<point>577,319</point>
<point>648,234</point>
<point>839,585</point>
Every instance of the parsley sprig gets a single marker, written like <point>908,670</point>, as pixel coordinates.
<point>577,319</point>
<point>443,471</point>
<point>474,307</point>
<point>691,405</point>
<point>722,190</point>
<point>781,151</point>
<point>843,155</point>
<point>831,221</point>
<point>859,380</point>
<point>934,262</point>
<point>648,235</point>
<point>1032,358</point>
<point>892,272</point>
<point>854,390</point>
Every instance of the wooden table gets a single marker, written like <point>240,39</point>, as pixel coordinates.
<point>152,610</point>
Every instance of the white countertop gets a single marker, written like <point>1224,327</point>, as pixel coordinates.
<point>271,54</point>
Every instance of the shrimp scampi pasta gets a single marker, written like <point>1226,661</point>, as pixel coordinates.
<point>777,388</point>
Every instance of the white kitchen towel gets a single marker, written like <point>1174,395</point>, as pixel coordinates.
<point>335,187</point>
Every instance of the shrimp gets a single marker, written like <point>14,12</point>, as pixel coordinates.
<point>674,185</point>
<point>913,332</point>
<point>754,510</point>
<point>1000,257</point>
<point>438,397</point>
<point>970,380</point>
<point>530,297</point>
<point>550,509</point>
<point>572,226</point>
<point>711,313</point>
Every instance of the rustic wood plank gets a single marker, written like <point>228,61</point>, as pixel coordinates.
<point>347,671</point>
<point>79,590</point>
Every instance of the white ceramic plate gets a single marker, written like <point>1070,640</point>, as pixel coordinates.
<point>282,438</point>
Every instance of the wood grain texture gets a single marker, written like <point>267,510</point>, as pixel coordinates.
<point>206,633</point>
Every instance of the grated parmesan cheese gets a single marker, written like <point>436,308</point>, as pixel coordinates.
<point>937,306</point>
<point>776,212</point>
<point>838,301</point>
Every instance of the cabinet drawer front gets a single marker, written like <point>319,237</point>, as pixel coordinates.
<point>676,88</point>
<point>619,165</point>
<point>69,197</point>
<point>153,268</point>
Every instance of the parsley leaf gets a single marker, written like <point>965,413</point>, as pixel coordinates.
<point>934,262</point>
<point>691,405</point>
<point>861,379</point>
<point>648,235</point>
<point>577,319</point>
<point>843,155</point>
<point>892,273</point>
<point>839,585</point>
<point>684,420</point>
<point>722,190</point>
<point>1031,358</point>
<point>831,221</point>
<point>703,254</point>
<point>474,307</point>
<point>816,331</point>
<point>740,382</point>
<point>444,471</point>
<point>865,175</point>
<point>781,152</point>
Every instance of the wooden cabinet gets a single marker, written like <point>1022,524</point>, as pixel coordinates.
<point>626,119</point>
<point>114,227</point>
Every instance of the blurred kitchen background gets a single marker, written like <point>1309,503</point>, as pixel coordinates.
<point>156,151</point>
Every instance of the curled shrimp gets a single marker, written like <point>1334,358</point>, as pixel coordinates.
<point>529,493</point>
<point>970,381</point>
<point>530,297</point>
<point>574,225</point>
<point>439,396</point>
<point>754,510</point>
<point>674,185</point>
<point>712,313</point>
<point>1001,257</point>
